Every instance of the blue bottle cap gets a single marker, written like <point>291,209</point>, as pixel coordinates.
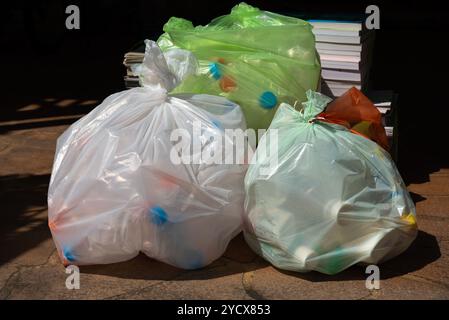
<point>268,100</point>
<point>214,69</point>
<point>68,254</point>
<point>158,216</point>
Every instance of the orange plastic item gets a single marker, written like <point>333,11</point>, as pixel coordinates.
<point>227,84</point>
<point>357,113</point>
<point>52,225</point>
<point>221,60</point>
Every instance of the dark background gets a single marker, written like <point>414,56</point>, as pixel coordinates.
<point>41,59</point>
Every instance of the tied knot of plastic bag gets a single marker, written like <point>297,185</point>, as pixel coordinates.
<point>352,110</point>
<point>164,71</point>
<point>315,104</point>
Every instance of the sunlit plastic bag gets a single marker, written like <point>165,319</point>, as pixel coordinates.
<point>334,199</point>
<point>114,190</point>
<point>255,58</point>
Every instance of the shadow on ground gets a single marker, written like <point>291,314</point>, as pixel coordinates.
<point>24,220</point>
<point>423,251</point>
<point>238,258</point>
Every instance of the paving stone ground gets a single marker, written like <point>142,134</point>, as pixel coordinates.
<point>30,267</point>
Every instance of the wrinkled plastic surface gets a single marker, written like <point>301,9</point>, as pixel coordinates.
<point>114,191</point>
<point>255,58</point>
<point>169,68</point>
<point>335,199</point>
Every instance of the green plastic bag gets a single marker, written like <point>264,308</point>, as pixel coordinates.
<point>334,198</point>
<point>255,58</point>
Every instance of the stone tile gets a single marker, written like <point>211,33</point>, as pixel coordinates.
<point>32,283</point>
<point>6,271</point>
<point>436,272</point>
<point>6,145</point>
<point>425,259</point>
<point>225,288</point>
<point>140,268</point>
<point>49,283</point>
<point>435,226</point>
<point>437,186</point>
<point>23,159</point>
<point>37,255</point>
<point>54,259</point>
<point>441,172</point>
<point>96,282</point>
<point>28,151</point>
<point>434,206</point>
<point>44,138</point>
<point>409,288</point>
<point>222,283</point>
<point>270,283</point>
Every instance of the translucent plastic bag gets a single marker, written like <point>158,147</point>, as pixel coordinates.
<point>255,58</point>
<point>114,190</point>
<point>335,199</point>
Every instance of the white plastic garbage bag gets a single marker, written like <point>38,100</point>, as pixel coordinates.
<point>115,191</point>
<point>334,199</point>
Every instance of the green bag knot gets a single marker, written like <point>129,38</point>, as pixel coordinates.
<point>315,104</point>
